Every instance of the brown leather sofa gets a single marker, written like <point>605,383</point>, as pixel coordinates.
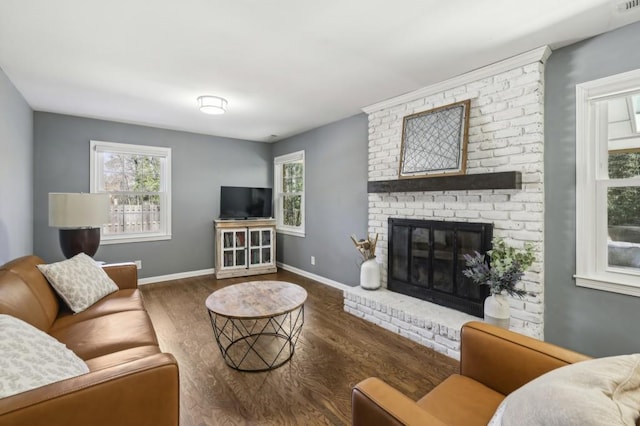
<point>493,363</point>
<point>130,382</point>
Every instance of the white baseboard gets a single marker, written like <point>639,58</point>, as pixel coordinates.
<point>189,274</point>
<point>314,277</point>
<point>177,276</point>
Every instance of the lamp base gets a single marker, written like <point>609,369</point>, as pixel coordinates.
<point>74,241</point>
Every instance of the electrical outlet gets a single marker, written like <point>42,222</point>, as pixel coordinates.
<point>313,260</point>
<point>138,264</point>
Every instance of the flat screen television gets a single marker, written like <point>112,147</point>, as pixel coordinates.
<point>238,202</point>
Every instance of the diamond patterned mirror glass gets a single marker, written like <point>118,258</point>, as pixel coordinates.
<point>434,142</point>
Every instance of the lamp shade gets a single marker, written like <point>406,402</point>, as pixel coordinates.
<point>78,210</point>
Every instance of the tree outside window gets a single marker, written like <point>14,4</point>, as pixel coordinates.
<point>292,186</point>
<point>624,202</point>
<point>623,209</point>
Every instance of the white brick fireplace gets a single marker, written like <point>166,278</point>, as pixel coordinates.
<point>505,134</point>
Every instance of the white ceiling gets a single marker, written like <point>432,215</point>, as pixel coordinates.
<point>285,66</point>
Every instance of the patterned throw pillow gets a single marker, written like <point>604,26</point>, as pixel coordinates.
<point>80,281</point>
<point>602,391</point>
<point>30,358</point>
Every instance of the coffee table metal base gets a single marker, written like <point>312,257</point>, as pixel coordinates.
<point>260,344</point>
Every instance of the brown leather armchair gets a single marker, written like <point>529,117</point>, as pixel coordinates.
<point>493,363</point>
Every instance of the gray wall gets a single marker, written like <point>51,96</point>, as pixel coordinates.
<point>16,173</point>
<point>594,322</point>
<point>200,165</point>
<point>336,199</point>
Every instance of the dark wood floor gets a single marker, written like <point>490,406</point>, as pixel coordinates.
<point>335,351</point>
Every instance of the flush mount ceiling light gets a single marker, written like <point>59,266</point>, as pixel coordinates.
<point>212,104</point>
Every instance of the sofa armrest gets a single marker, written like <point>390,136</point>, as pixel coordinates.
<point>504,360</point>
<point>125,275</point>
<point>373,402</point>
<point>140,392</point>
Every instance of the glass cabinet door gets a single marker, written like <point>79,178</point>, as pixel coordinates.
<point>233,248</point>
<point>260,246</point>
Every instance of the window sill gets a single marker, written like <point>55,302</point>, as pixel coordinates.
<point>133,239</point>
<point>621,285</point>
<point>300,234</point>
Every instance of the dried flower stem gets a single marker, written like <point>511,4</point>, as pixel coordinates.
<point>367,248</point>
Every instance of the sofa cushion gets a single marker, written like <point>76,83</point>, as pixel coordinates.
<point>106,334</point>
<point>80,281</point>
<point>120,301</point>
<point>460,400</point>
<point>121,357</point>
<point>603,391</point>
<point>30,358</point>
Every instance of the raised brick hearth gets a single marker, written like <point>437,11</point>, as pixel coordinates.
<point>431,325</point>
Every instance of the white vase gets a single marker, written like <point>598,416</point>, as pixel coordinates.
<point>496,310</point>
<point>370,274</point>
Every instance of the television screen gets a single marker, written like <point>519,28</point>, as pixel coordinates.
<point>242,202</point>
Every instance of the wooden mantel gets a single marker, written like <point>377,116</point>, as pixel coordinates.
<point>499,180</point>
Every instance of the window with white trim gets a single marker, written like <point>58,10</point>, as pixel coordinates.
<point>138,181</point>
<point>608,184</point>
<point>289,193</point>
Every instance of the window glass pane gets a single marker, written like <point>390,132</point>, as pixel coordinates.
<point>291,210</point>
<point>128,173</point>
<point>292,177</point>
<point>623,211</point>
<point>151,213</point>
<point>113,181</point>
<point>113,162</point>
<point>133,213</point>
<point>148,174</point>
<point>624,165</point>
<point>132,172</point>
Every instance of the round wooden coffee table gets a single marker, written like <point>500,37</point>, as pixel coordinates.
<point>257,324</point>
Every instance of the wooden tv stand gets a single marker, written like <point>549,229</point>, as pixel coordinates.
<point>245,247</point>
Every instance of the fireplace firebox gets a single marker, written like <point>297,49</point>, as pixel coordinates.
<point>426,261</point>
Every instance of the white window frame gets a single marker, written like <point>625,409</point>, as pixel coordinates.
<point>96,185</point>
<point>294,157</point>
<point>592,183</point>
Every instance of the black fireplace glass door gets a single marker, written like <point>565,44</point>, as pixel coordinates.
<point>400,253</point>
<point>426,261</point>
<point>420,256</point>
<point>468,243</point>
<point>443,248</point>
